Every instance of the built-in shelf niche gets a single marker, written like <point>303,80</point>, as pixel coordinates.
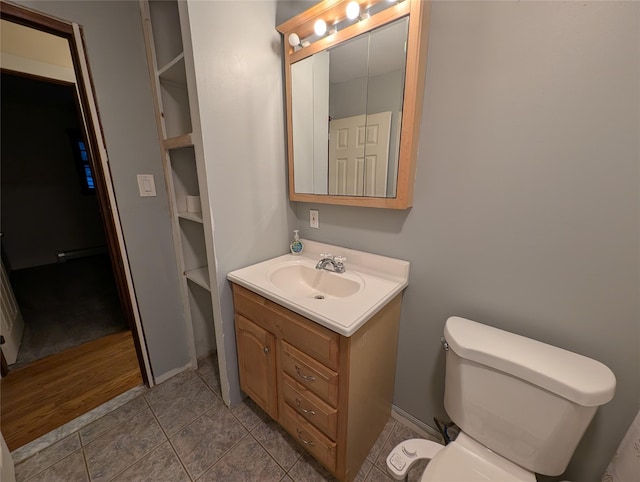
<point>171,71</point>
<point>193,246</point>
<point>175,108</point>
<point>185,180</point>
<point>167,36</point>
<point>201,314</point>
<point>168,59</point>
<point>200,276</point>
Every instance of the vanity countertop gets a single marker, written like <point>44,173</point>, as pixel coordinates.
<point>371,281</point>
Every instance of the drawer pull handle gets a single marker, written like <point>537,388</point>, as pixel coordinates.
<point>306,442</point>
<point>266,349</point>
<point>303,410</point>
<point>309,378</point>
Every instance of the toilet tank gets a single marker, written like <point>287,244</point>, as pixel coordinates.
<point>528,401</point>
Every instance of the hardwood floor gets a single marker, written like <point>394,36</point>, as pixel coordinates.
<point>53,391</point>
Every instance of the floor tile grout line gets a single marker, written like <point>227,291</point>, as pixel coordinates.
<point>79,449</point>
<point>184,467</point>
<point>146,453</point>
<point>134,463</point>
<point>176,450</point>
<point>286,471</point>
<point>84,459</point>
<point>188,423</point>
<point>186,471</point>
<point>133,414</point>
<point>248,434</point>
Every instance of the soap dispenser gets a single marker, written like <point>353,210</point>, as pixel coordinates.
<point>296,245</point>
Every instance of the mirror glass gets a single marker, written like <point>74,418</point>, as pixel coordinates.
<point>347,113</point>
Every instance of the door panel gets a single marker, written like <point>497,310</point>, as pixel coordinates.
<point>12,324</point>
<point>359,155</point>
<point>257,363</point>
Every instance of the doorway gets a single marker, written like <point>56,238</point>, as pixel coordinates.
<point>61,240</point>
<point>53,242</point>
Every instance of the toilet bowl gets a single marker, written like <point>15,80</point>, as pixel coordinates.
<point>522,407</point>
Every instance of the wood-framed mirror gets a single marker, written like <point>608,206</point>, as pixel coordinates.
<point>354,101</point>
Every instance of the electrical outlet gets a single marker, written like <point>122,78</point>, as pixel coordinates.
<point>313,218</point>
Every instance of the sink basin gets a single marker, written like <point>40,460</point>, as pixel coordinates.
<point>342,302</point>
<point>306,281</point>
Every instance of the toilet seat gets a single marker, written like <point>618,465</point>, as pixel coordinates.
<point>465,460</point>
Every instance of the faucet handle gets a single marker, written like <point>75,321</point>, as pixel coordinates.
<point>326,255</point>
<point>340,259</point>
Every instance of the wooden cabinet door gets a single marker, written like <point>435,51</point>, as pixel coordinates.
<point>257,364</point>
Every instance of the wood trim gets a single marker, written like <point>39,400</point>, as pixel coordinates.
<point>27,75</point>
<point>184,140</point>
<point>38,20</point>
<point>353,30</point>
<point>418,11</point>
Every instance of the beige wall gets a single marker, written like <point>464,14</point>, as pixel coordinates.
<point>527,208</point>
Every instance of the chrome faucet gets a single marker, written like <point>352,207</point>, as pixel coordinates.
<point>331,263</point>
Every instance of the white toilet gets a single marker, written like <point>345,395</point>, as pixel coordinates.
<point>522,407</point>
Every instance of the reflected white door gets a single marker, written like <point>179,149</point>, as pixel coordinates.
<point>359,155</point>
<point>12,324</point>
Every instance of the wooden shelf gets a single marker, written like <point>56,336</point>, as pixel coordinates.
<point>195,217</point>
<point>185,140</point>
<point>199,276</point>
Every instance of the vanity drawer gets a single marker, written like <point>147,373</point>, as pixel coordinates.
<point>318,341</point>
<point>311,374</point>
<point>307,405</point>
<point>311,439</point>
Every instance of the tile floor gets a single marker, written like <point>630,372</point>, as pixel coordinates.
<point>181,430</point>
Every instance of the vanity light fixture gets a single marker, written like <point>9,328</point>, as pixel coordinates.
<point>294,41</point>
<point>320,27</point>
<point>353,11</point>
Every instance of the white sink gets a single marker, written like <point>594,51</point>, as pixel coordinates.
<point>307,281</point>
<point>342,302</point>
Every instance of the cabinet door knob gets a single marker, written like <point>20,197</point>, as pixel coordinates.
<point>266,349</point>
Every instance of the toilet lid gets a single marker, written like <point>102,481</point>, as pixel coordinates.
<point>464,460</point>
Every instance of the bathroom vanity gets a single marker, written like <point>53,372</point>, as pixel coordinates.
<point>318,353</point>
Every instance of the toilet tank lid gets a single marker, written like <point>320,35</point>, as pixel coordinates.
<point>578,378</point>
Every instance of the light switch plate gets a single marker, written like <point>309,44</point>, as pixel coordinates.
<point>146,185</point>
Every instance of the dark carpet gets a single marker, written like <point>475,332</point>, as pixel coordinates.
<point>65,305</point>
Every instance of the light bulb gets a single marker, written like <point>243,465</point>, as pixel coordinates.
<point>320,27</point>
<point>294,40</point>
<point>353,10</point>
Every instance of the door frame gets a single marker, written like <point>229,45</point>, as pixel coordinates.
<point>105,195</point>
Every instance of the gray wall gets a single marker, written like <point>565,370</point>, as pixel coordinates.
<point>526,210</point>
<point>115,48</point>
<point>44,211</point>
<point>237,55</point>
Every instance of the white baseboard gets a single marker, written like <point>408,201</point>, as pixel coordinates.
<point>171,373</point>
<point>413,423</point>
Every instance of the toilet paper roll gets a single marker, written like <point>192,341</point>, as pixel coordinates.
<point>193,204</point>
